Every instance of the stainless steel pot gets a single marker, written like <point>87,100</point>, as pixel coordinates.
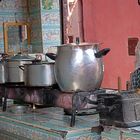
<point>14,74</point>
<point>39,74</point>
<point>2,72</point>
<point>79,66</point>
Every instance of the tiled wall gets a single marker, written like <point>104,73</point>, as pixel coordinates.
<point>8,10</point>
<point>35,20</point>
<point>46,28</point>
<point>44,16</point>
<point>51,28</point>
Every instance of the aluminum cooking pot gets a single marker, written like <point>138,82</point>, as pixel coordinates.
<point>39,74</point>
<point>14,74</point>
<point>2,72</point>
<point>79,66</point>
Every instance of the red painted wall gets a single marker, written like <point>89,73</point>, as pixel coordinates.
<point>111,22</point>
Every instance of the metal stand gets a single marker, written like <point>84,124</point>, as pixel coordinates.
<point>80,100</point>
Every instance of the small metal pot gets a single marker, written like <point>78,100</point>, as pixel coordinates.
<point>14,74</point>
<point>39,74</point>
<point>18,109</point>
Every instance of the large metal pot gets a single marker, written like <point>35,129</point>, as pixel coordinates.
<point>39,74</point>
<point>79,66</point>
<point>14,74</point>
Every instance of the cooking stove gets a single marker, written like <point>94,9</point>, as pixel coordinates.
<point>120,109</point>
<point>27,94</point>
<point>73,103</point>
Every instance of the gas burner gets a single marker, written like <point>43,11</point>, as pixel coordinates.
<point>83,102</point>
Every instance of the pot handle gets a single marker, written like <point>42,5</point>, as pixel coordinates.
<point>21,67</point>
<point>102,52</point>
<point>3,56</point>
<point>51,55</point>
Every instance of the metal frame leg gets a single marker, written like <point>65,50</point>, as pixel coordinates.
<point>5,101</point>
<point>73,116</point>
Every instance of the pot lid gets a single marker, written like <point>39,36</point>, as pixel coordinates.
<point>19,57</point>
<point>83,44</point>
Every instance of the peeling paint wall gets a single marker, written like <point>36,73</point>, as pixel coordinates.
<point>111,23</point>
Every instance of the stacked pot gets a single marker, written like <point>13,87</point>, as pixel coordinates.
<point>23,68</point>
<point>13,73</point>
<point>39,74</point>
